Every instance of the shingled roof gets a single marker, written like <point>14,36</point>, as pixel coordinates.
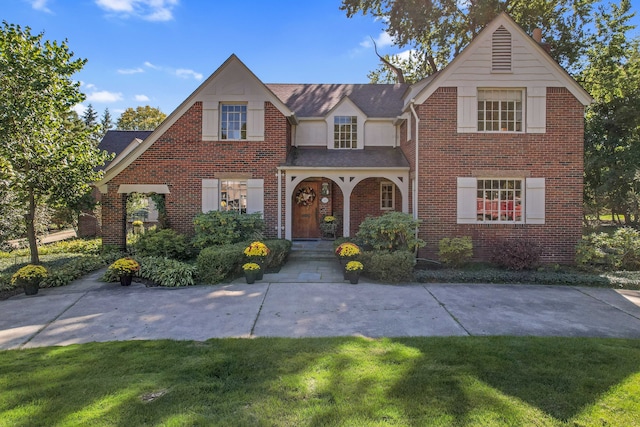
<point>316,100</point>
<point>369,157</point>
<point>115,141</point>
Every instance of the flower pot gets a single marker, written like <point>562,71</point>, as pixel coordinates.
<point>125,279</point>
<point>251,275</point>
<point>31,288</point>
<point>352,277</point>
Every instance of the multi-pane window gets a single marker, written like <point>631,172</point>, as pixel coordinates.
<point>345,132</point>
<point>233,121</point>
<point>233,196</point>
<point>387,195</point>
<point>499,200</point>
<point>499,110</point>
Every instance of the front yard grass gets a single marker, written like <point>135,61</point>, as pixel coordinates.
<point>460,381</point>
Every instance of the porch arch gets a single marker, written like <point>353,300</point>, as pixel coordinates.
<point>347,180</point>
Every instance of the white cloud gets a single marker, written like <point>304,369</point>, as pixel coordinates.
<point>79,108</point>
<point>142,98</point>
<point>40,5</point>
<point>185,74</point>
<point>130,70</point>
<point>384,39</point>
<point>104,96</point>
<point>149,10</point>
<point>150,65</point>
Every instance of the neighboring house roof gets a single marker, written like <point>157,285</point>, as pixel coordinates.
<point>316,100</point>
<point>115,141</point>
<point>376,157</point>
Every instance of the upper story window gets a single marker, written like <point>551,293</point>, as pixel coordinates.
<point>500,110</point>
<point>233,121</point>
<point>345,132</point>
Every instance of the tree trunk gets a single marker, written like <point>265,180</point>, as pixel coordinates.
<point>31,229</point>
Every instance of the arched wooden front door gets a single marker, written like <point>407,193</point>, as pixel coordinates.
<point>305,211</point>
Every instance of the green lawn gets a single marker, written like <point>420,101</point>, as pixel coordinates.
<point>475,381</point>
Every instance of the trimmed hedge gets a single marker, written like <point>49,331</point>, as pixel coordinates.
<point>165,243</point>
<point>218,263</point>
<point>389,267</point>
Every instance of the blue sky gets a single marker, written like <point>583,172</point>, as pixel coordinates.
<point>157,52</point>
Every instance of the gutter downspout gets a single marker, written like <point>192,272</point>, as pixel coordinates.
<point>417,170</point>
<point>279,175</point>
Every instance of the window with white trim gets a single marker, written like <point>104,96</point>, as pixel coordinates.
<point>233,121</point>
<point>345,132</point>
<point>387,196</point>
<point>233,196</point>
<point>500,110</point>
<point>499,200</point>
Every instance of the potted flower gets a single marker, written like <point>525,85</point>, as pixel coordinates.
<point>29,277</point>
<point>257,253</point>
<point>125,268</point>
<point>329,226</point>
<point>353,270</point>
<point>251,271</point>
<point>138,227</point>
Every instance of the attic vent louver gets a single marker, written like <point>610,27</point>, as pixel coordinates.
<point>501,50</point>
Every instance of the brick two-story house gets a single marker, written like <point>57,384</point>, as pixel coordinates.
<point>490,147</point>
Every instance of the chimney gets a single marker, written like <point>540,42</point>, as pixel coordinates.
<point>537,35</point>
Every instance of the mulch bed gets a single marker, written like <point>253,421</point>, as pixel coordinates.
<point>8,293</point>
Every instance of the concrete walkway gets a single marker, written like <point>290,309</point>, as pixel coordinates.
<point>309,298</point>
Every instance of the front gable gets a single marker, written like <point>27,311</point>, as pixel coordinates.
<point>503,57</point>
<point>345,108</point>
<point>231,83</point>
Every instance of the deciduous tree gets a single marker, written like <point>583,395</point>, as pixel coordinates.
<point>46,150</point>
<point>142,118</point>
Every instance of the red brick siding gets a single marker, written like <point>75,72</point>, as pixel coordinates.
<point>365,201</point>
<point>180,159</point>
<point>556,155</point>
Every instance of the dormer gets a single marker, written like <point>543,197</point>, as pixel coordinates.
<point>345,126</point>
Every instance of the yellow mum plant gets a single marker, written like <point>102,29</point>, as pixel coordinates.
<point>347,250</point>
<point>257,249</point>
<point>354,266</point>
<point>329,218</point>
<point>250,266</point>
<point>29,274</point>
<point>125,266</point>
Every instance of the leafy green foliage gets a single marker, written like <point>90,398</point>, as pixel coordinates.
<point>167,272</point>
<point>520,254</point>
<point>438,31</point>
<point>165,243</point>
<point>46,150</point>
<point>142,118</point>
<point>218,263</point>
<point>392,231</point>
<point>73,269</point>
<point>388,267</point>
<point>455,251</point>
<point>617,251</point>
<point>280,249</point>
<point>226,227</point>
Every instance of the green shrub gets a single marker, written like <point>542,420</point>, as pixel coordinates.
<point>388,267</point>
<point>72,270</point>
<point>226,227</point>
<point>280,249</point>
<point>162,243</point>
<point>618,251</point>
<point>392,231</point>
<point>167,272</point>
<point>516,255</point>
<point>217,263</point>
<point>455,251</point>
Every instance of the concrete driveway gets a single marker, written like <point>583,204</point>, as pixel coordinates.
<point>89,310</point>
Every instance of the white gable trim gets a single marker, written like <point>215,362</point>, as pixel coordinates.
<point>180,111</point>
<point>346,107</point>
<point>505,20</point>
